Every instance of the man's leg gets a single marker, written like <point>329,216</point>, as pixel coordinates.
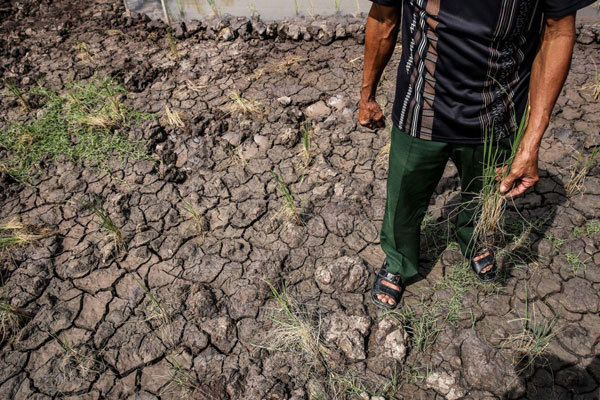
<point>469,160</point>
<point>415,167</point>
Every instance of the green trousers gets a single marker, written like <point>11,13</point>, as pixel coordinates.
<point>415,168</point>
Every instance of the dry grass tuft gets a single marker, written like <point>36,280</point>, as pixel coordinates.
<point>111,114</point>
<point>75,360</point>
<point>82,51</point>
<point>279,67</point>
<point>235,155</point>
<point>297,329</point>
<point>11,320</point>
<point>579,172</point>
<point>247,107</point>
<point>173,118</point>
<point>180,377</point>
<point>595,85</point>
<point>156,310</point>
<point>199,220</point>
<point>16,234</point>
<point>307,135</point>
<point>195,87</point>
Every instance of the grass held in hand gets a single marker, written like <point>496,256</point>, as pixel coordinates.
<point>80,124</point>
<point>491,203</point>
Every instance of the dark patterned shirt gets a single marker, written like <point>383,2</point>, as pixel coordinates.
<point>465,65</point>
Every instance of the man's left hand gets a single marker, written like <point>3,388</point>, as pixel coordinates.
<point>523,174</point>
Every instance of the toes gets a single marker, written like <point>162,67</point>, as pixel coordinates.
<point>385,299</point>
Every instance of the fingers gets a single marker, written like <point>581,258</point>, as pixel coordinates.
<point>370,115</point>
<point>500,171</point>
<point>507,183</point>
<point>373,122</point>
<point>518,190</point>
<point>516,186</point>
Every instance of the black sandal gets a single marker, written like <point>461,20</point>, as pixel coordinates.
<point>492,274</point>
<point>380,288</point>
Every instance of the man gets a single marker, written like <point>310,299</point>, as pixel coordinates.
<point>468,71</point>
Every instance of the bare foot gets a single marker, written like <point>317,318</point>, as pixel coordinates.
<point>385,298</point>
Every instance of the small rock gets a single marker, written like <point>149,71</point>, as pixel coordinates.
<point>222,333</point>
<point>179,30</point>
<point>345,274</point>
<point>288,137</point>
<point>249,151</point>
<point>347,333</point>
<point>586,36</point>
<point>395,344</point>
<point>261,141</point>
<point>318,111</point>
<point>226,34</point>
<point>445,384</point>
<point>234,138</point>
<point>337,102</point>
<point>293,31</point>
<point>284,100</point>
<point>392,336</point>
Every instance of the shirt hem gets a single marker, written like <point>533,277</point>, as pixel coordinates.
<point>470,141</point>
<point>567,10</point>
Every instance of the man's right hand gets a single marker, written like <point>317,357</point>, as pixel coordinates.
<point>370,115</point>
<point>381,32</point>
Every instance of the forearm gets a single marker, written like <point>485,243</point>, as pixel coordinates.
<point>380,39</point>
<point>548,74</point>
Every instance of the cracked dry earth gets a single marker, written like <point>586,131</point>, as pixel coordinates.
<point>90,328</point>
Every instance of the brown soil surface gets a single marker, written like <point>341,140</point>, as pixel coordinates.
<point>89,330</point>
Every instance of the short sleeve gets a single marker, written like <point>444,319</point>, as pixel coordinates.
<point>388,3</point>
<point>560,8</point>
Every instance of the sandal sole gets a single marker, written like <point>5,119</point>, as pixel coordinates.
<point>488,280</point>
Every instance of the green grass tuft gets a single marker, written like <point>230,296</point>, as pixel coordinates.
<point>575,262</point>
<point>12,87</point>
<point>289,210</point>
<point>114,232</point>
<point>590,228</point>
<point>80,124</point>
<point>531,343</point>
<point>557,243</point>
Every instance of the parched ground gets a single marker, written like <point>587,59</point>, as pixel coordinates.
<point>250,296</point>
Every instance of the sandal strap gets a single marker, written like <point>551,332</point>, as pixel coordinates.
<point>384,289</point>
<point>480,264</point>
<point>396,279</point>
